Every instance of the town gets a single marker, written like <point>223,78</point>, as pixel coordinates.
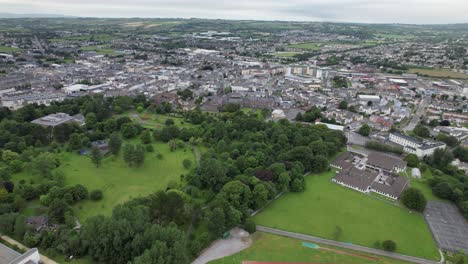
<point>397,94</point>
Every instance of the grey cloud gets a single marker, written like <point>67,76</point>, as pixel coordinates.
<point>380,11</point>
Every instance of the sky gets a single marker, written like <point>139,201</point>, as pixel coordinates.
<point>363,11</point>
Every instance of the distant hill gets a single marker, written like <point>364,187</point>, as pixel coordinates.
<point>35,15</point>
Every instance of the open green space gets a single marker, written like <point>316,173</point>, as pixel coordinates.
<point>307,46</point>
<point>324,206</point>
<point>423,185</point>
<point>6,49</point>
<point>438,73</point>
<point>103,50</point>
<point>395,36</point>
<point>157,121</point>
<point>117,181</point>
<point>285,54</point>
<point>268,247</point>
<point>95,37</point>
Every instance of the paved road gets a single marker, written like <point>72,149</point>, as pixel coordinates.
<point>345,245</point>
<point>417,115</point>
<point>10,240</point>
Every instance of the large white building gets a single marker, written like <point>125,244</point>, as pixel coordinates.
<point>414,146</point>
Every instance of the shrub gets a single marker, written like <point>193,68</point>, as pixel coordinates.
<point>149,148</point>
<point>95,195</point>
<point>187,163</point>
<point>250,226</point>
<point>389,245</point>
<point>414,199</point>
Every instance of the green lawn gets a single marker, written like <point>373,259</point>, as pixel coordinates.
<point>363,220</point>
<point>7,49</point>
<point>120,183</point>
<point>422,184</point>
<point>267,247</point>
<point>157,121</point>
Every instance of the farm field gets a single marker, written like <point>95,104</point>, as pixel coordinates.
<point>7,49</point>
<point>98,37</point>
<point>117,181</point>
<point>438,73</point>
<point>363,220</point>
<point>307,46</point>
<point>103,50</point>
<point>268,247</point>
<point>396,36</point>
<point>285,54</point>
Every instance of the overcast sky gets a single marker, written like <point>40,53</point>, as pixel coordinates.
<point>375,11</point>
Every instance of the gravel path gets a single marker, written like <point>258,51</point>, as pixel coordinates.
<point>237,241</point>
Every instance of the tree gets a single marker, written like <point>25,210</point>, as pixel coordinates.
<point>95,195</point>
<point>139,156</point>
<point>96,156</point>
<point>414,199</point>
<point>250,225</point>
<point>461,153</point>
<point>75,141</point>
<point>57,210</point>
<point>44,163</point>
<point>422,131</point>
<point>337,233</point>
<point>187,163</point>
<point>443,190</point>
<point>115,143</point>
<point>412,160</point>
<point>145,137</point>
<point>389,245</point>
<point>236,194</point>
<point>451,141</point>
<point>364,130</point>
<point>128,150</point>
<point>343,105</point>
<point>260,196</point>
<point>91,120</point>
<point>217,221</point>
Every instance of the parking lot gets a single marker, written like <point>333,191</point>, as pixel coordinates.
<point>447,225</point>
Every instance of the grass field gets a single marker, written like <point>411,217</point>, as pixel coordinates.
<point>267,247</point>
<point>307,46</point>
<point>285,54</point>
<point>438,73</point>
<point>118,182</point>
<point>396,36</point>
<point>96,37</point>
<point>156,121</point>
<point>103,50</point>
<point>6,49</point>
<point>363,220</point>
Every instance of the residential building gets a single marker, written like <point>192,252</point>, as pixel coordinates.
<point>415,146</point>
<point>54,120</point>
